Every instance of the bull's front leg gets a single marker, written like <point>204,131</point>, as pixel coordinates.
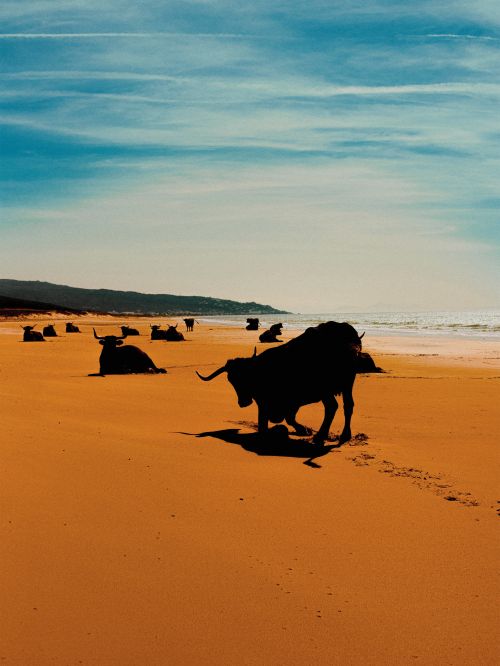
<point>330,405</point>
<point>345,435</point>
<point>298,427</point>
<point>263,420</point>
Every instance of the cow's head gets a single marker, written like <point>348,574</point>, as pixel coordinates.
<point>28,328</point>
<point>240,374</point>
<point>109,341</point>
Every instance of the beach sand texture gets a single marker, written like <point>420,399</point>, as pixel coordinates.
<point>141,524</point>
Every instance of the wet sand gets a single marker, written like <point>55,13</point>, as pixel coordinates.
<point>141,522</point>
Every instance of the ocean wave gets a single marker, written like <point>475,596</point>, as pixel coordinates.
<point>467,323</point>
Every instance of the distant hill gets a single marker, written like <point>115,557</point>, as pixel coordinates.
<point>16,306</point>
<point>131,302</point>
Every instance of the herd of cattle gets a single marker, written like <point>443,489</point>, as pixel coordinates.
<point>316,366</point>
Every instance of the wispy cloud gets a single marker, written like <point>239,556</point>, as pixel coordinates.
<point>132,35</point>
<point>485,38</point>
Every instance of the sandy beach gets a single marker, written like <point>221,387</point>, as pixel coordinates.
<point>141,523</point>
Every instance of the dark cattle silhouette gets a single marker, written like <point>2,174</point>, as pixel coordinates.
<point>271,335</point>
<point>30,335</point>
<point>71,328</point>
<point>314,367</point>
<point>118,360</point>
<point>157,333</point>
<point>49,331</point>
<point>252,324</point>
<point>173,335</point>
<point>189,324</point>
<point>126,331</point>
<point>365,364</point>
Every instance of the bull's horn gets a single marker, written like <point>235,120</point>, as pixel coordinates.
<point>362,335</point>
<point>213,375</point>
<point>254,352</point>
<point>97,337</point>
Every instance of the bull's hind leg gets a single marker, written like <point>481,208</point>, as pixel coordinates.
<point>330,405</point>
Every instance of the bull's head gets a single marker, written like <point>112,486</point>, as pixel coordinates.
<point>240,376</point>
<point>28,328</point>
<point>110,341</point>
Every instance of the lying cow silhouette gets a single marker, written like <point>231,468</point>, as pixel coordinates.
<point>32,336</point>
<point>126,331</point>
<point>71,328</point>
<point>157,333</point>
<point>271,335</point>
<point>316,366</point>
<point>173,335</point>
<point>49,331</point>
<point>118,360</point>
<point>252,324</point>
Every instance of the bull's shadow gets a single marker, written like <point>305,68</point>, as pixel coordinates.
<point>276,443</point>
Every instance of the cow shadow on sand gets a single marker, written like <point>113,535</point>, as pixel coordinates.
<point>276,443</point>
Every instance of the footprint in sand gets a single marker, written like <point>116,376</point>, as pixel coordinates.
<point>420,478</point>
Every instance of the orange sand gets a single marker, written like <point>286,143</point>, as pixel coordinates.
<point>128,540</point>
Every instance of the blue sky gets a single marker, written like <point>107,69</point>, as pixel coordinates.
<point>315,156</point>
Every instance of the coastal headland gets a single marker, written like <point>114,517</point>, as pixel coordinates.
<point>142,522</point>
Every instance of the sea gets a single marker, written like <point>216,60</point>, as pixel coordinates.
<point>472,324</point>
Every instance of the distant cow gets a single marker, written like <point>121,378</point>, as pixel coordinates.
<point>316,366</point>
<point>173,335</point>
<point>118,360</point>
<point>71,328</point>
<point>127,331</point>
<point>189,324</point>
<point>365,364</point>
<point>157,333</point>
<point>49,331</point>
<point>271,335</point>
<point>252,324</point>
<point>30,335</point>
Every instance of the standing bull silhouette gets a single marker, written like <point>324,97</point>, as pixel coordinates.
<point>314,367</point>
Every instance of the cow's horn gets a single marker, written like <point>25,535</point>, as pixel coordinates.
<point>362,334</point>
<point>213,375</point>
<point>254,352</point>
<point>97,337</point>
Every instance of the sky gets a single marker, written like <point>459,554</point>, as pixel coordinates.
<point>324,156</point>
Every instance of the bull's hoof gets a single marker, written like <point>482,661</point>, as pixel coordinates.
<point>302,430</point>
<point>344,437</point>
<point>318,439</point>
<point>278,433</point>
